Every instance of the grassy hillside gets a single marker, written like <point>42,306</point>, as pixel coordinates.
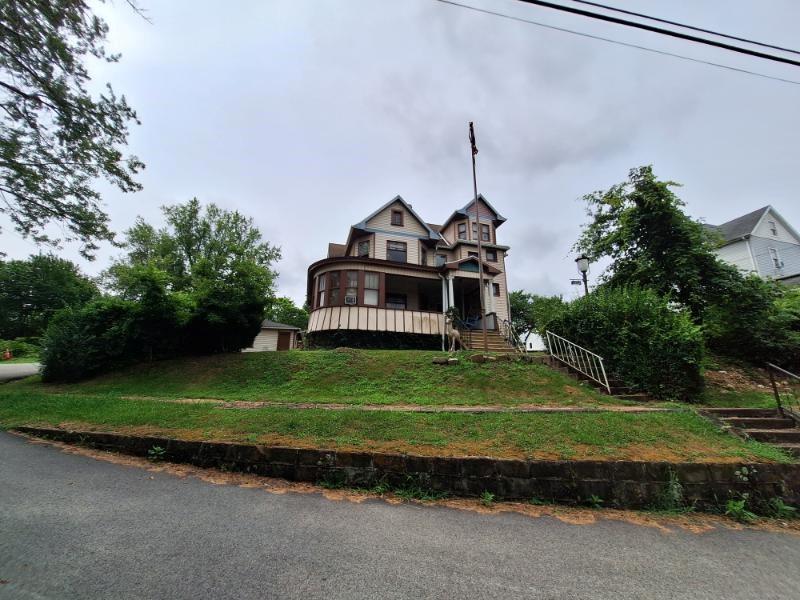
<point>351,377</point>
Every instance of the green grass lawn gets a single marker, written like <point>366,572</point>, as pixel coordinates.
<point>674,436</point>
<point>21,359</point>
<point>351,377</point>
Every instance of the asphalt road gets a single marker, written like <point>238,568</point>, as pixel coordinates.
<point>17,370</point>
<point>76,527</point>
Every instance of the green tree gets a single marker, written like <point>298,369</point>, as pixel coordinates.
<point>640,225</point>
<point>56,138</point>
<point>32,290</point>
<point>283,310</point>
<point>531,312</point>
<point>217,259</point>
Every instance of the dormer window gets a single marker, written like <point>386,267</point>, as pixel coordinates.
<point>462,231</point>
<point>397,218</point>
<point>485,234</point>
<point>773,228</point>
<point>363,249</point>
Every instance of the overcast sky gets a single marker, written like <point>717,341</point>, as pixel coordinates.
<point>308,115</point>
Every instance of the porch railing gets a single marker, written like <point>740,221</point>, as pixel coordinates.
<point>511,336</point>
<point>788,402</point>
<point>578,358</point>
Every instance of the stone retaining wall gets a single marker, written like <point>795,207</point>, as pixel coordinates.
<point>623,484</point>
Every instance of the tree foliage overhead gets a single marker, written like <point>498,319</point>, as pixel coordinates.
<point>284,310</point>
<point>640,225</point>
<point>32,290</point>
<point>56,136</point>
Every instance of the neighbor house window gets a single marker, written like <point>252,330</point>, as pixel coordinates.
<point>351,289</point>
<point>396,251</point>
<point>773,228</point>
<point>363,249</point>
<point>396,301</point>
<point>491,255</point>
<point>397,218</point>
<point>496,289</point>
<point>440,260</point>
<point>423,256</point>
<point>321,279</point>
<point>333,293</point>
<point>485,233</point>
<point>776,258</point>
<point>462,231</point>
<point>371,285</point>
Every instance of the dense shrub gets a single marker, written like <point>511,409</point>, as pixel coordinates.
<point>372,339</point>
<point>20,347</point>
<point>645,341</point>
<point>757,321</point>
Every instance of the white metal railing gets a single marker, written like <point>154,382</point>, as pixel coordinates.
<point>579,358</point>
<point>510,335</point>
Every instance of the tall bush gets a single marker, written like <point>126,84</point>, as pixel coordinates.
<point>645,341</point>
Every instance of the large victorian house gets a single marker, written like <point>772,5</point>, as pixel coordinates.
<point>397,273</point>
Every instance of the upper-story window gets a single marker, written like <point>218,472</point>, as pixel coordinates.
<point>351,291</point>
<point>371,287</point>
<point>397,218</point>
<point>396,251</point>
<point>485,233</point>
<point>773,228</point>
<point>776,258</point>
<point>462,231</point>
<point>423,256</point>
<point>363,249</point>
<point>321,279</point>
<point>491,255</point>
<point>474,231</point>
<point>496,289</point>
<point>440,259</point>
<point>333,293</point>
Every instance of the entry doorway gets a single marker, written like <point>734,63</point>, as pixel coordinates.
<point>284,340</point>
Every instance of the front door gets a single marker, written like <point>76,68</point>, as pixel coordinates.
<point>284,340</point>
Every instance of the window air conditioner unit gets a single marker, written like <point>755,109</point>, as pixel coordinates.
<point>350,300</point>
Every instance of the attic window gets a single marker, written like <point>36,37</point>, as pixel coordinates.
<point>397,218</point>
<point>773,229</point>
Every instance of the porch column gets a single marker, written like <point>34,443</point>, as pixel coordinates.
<point>489,297</point>
<point>445,303</point>
<point>451,294</point>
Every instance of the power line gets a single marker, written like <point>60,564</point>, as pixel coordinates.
<point>692,27</point>
<point>662,31</point>
<point>617,42</point>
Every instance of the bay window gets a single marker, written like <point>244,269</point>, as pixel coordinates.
<point>371,288</point>
<point>351,287</point>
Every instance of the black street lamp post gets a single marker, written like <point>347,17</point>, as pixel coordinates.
<point>583,266</point>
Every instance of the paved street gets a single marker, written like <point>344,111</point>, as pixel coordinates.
<point>76,527</point>
<point>17,370</point>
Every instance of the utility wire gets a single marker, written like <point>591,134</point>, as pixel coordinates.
<point>692,27</point>
<point>609,40</point>
<point>662,31</point>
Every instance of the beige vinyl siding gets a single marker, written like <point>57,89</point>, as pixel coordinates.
<point>399,270</point>
<point>383,220</point>
<point>412,246</point>
<point>501,302</point>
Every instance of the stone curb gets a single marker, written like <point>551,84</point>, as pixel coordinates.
<point>621,484</point>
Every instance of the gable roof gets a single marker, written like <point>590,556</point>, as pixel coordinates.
<point>745,225</point>
<point>434,235</point>
<point>740,226</point>
<point>455,264</point>
<point>336,250</point>
<point>267,324</point>
<point>462,212</point>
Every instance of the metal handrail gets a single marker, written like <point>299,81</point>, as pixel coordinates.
<point>582,360</point>
<point>791,399</point>
<point>511,336</point>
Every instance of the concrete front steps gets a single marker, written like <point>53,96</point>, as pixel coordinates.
<point>618,388</point>
<point>762,424</point>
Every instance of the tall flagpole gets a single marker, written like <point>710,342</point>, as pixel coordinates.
<point>478,227</point>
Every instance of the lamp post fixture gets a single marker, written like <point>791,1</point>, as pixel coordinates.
<point>583,266</point>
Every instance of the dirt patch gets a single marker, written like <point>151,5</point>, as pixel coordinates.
<point>667,524</point>
<point>736,378</point>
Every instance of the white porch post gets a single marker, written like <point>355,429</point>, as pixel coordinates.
<point>451,295</point>
<point>489,296</point>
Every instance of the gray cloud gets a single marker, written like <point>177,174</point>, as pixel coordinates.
<point>308,115</point>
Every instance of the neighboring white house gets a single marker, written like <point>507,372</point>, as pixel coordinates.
<point>761,242</point>
<point>274,336</point>
<point>533,342</point>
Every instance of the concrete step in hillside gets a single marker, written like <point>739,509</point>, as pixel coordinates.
<point>762,424</point>
<point>618,388</point>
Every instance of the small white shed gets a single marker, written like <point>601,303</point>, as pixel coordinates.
<point>534,342</point>
<point>274,336</point>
